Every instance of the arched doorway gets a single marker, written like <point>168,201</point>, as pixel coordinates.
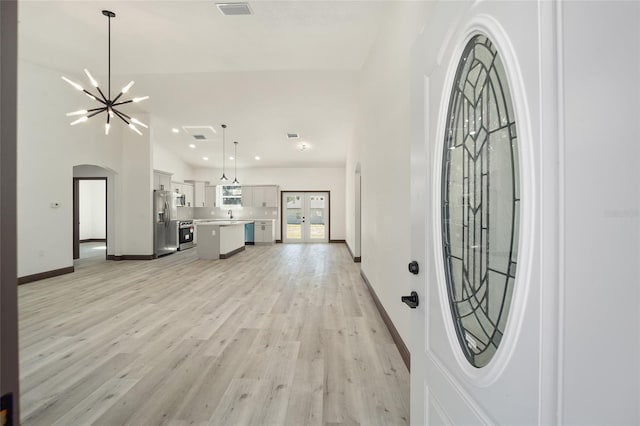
<point>93,212</point>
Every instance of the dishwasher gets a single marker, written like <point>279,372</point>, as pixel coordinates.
<point>249,234</point>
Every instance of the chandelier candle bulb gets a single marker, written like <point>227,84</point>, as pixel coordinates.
<point>81,112</point>
<point>75,85</point>
<point>141,98</point>
<point>126,88</point>
<point>135,129</point>
<point>80,120</point>
<point>135,120</point>
<point>91,79</point>
<point>106,128</point>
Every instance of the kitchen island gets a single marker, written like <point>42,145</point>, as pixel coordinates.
<point>220,239</point>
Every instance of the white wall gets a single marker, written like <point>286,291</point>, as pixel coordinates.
<point>600,218</point>
<point>49,148</point>
<point>382,147</point>
<point>166,161</point>
<point>295,179</point>
<point>92,209</point>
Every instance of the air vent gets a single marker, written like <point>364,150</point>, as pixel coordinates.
<point>293,136</point>
<point>234,9</point>
<point>201,133</point>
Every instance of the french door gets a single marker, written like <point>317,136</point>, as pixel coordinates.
<point>306,217</point>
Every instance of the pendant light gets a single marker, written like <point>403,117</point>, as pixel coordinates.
<point>235,163</point>
<point>224,177</point>
<point>108,105</point>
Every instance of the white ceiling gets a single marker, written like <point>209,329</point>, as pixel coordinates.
<point>290,67</point>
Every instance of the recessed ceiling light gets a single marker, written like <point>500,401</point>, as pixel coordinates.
<point>191,145</point>
<point>174,130</point>
<point>256,157</point>
<point>205,158</point>
<point>303,146</point>
<point>231,158</point>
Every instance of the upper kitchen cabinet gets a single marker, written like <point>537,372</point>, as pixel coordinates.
<point>209,196</point>
<point>260,196</point>
<point>247,196</point>
<point>265,196</point>
<point>188,192</point>
<point>198,194</point>
<point>185,189</point>
<point>161,180</point>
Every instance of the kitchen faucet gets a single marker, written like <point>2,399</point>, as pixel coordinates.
<point>230,213</point>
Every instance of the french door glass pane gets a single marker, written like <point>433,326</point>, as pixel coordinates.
<point>317,222</point>
<point>294,217</point>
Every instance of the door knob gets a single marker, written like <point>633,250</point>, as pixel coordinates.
<point>413,267</point>
<point>411,301</point>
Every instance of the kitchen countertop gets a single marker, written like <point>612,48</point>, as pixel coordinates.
<point>196,221</point>
<point>221,222</point>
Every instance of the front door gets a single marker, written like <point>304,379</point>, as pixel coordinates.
<point>306,217</point>
<point>479,331</point>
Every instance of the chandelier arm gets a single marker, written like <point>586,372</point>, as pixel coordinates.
<point>97,112</point>
<point>102,94</point>
<point>128,117</point>
<point>96,109</point>
<point>118,97</point>
<point>119,114</point>
<point>94,97</point>
<point>123,102</point>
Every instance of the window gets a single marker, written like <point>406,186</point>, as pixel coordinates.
<point>480,201</point>
<point>231,195</point>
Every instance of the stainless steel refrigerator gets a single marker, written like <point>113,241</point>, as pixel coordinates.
<point>165,223</point>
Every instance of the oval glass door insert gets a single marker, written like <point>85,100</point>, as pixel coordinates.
<point>480,201</point>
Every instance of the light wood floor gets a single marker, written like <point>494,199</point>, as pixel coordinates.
<point>277,335</point>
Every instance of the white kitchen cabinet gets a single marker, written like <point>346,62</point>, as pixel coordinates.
<point>209,196</point>
<point>247,196</point>
<point>161,180</point>
<point>264,232</point>
<point>199,194</point>
<point>265,196</point>
<point>187,190</point>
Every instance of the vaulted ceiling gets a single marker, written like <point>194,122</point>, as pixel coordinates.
<point>291,66</point>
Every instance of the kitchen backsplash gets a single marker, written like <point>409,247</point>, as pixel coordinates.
<point>185,213</point>
<point>238,213</point>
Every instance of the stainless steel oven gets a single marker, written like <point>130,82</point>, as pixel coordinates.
<point>185,234</point>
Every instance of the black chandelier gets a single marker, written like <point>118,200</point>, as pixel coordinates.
<point>108,105</point>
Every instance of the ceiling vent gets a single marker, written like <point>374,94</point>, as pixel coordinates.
<point>234,9</point>
<point>201,133</point>
<point>293,136</point>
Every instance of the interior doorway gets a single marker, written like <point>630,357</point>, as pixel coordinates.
<point>89,218</point>
<point>306,217</point>
<point>357,256</point>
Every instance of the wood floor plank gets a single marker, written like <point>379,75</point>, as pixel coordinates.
<point>275,335</point>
